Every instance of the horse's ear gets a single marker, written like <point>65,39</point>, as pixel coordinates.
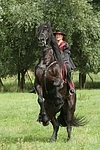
<point>40,23</point>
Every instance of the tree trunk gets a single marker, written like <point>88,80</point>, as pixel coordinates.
<point>18,79</point>
<point>22,85</point>
<point>82,80</point>
<point>1,83</point>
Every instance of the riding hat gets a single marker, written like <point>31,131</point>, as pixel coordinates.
<point>59,32</point>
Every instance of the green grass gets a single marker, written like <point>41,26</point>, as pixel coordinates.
<point>20,131</point>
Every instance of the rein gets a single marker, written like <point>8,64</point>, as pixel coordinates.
<point>45,72</point>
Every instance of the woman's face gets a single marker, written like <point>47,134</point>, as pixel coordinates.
<point>59,37</point>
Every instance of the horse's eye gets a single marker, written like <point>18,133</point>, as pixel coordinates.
<point>45,27</point>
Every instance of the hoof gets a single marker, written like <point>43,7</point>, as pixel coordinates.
<point>39,118</point>
<point>45,118</point>
<point>45,123</point>
<point>52,140</point>
<point>68,139</point>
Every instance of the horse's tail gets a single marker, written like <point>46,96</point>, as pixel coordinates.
<point>79,121</point>
<point>76,121</point>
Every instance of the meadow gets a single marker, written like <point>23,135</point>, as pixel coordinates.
<point>19,129</point>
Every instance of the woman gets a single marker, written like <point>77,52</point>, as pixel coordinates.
<point>65,54</point>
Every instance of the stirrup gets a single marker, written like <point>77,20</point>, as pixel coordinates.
<point>72,91</point>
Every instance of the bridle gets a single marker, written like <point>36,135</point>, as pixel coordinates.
<point>42,39</point>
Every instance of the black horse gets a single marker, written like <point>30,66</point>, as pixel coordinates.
<point>52,90</point>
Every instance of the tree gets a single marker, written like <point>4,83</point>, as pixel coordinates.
<point>19,22</point>
<point>96,5</point>
<point>3,47</point>
<point>82,26</point>
<point>18,43</point>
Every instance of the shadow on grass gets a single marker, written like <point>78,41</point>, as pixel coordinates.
<point>23,139</point>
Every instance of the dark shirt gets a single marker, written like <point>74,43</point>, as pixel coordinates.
<point>65,54</point>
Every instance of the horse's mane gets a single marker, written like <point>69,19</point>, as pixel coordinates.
<point>55,47</point>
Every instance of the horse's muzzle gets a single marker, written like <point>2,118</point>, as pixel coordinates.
<point>41,42</point>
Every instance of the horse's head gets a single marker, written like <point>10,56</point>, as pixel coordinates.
<point>46,38</point>
<point>43,33</point>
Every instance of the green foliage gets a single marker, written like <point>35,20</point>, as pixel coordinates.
<point>96,5</point>
<point>18,35</point>
<point>18,23</point>
<point>85,37</point>
<point>82,26</point>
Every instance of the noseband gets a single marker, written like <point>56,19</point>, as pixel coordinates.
<point>43,40</point>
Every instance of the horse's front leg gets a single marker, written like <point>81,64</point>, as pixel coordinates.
<point>55,129</point>
<point>69,129</point>
<point>69,122</point>
<point>42,115</point>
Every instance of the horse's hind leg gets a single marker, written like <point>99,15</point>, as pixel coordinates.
<point>69,129</point>
<point>70,114</point>
<point>55,129</point>
<point>69,119</point>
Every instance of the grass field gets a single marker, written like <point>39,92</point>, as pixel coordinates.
<point>20,131</point>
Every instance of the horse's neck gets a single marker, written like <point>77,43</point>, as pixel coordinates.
<point>47,47</point>
<point>48,55</point>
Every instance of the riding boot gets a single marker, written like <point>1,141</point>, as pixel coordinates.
<point>70,82</point>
